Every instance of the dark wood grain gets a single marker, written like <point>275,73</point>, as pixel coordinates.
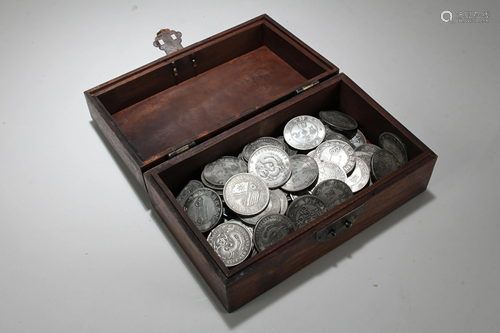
<point>239,73</point>
<point>207,103</point>
<point>263,271</point>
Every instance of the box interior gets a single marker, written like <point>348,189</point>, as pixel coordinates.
<point>336,95</point>
<point>216,87</point>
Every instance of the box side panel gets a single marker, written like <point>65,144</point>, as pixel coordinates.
<point>113,135</point>
<point>291,52</point>
<point>287,260</point>
<point>189,243</point>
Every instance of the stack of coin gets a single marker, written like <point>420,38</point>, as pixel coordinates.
<point>277,185</point>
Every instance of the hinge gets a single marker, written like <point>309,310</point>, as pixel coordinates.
<point>181,149</point>
<point>174,68</point>
<point>304,88</point>
<point>193,59</point>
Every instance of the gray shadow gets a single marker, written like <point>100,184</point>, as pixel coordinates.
<point>139,191</point>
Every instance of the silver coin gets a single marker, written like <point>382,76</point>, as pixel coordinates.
<point>270,229</point>
<point>246,194</point>
<point>328,170</point>
<point>273,207</point>
<point>250,228</point>
<point>283,200</point>
<point>282,140</point>
<point>204,207</point>
<point>232,242</point>
<point>305,209</point>
<point>366,157</point>
<point>296,195</point>
<point>227,212</point>
<point>358,139</point>
<point>271,164</point>
<point>332,135</point>
<point>304,132</point>
<point>240,156</point>
<point>359,177</point>
<point>304,172</point>
<point>338,152</point>
<point>210,185</point>
<point>220,170</point>
<point>383,162</point>
<point>261,142</point>
<point>367,148</point>
<point>340,122</point>
<point>395,145</point>
<point>312,153</point>
<point>191,186</point>
<point>333,192</point>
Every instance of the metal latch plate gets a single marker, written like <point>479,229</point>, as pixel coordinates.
<point>168,40</point>
<point>334,229</point>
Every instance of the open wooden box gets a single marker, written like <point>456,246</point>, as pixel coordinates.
<point>229,90</point>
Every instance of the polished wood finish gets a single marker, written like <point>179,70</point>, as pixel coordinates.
<point>243,87</point>
<point>248,280</point>
<point>151,112</point>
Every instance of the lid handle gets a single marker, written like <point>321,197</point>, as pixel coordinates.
<point>168,40</point>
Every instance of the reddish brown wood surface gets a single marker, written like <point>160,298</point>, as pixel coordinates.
<point>239,73</point>
<point>207,103</point>
<point>263,271</point>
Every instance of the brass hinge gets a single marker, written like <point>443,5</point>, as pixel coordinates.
<point>304,88</point>
<point>174,68</point>
<point>181,149</point>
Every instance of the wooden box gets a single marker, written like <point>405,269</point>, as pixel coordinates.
<point>169,118</point>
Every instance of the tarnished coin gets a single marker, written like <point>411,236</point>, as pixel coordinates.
<point>333,192</point>
<point>271,164</point>
<point>246,194</point>
<point>367,148</point>
<point>261,142</point>
<point>210,185</point>
<point>304,172</point>
<point>232,242</point>
<point>270,229</point>
<point>204,207</point>
<point>220,170</point>
<point>296,195</point>
<point>338,152</point>
<point>383,162</point>
<point>332,135</point>
<point>273,207</point>
<point>329,170</point>
<point>191,186</point>
<point>340,122</point>
<point>304,132</point>
<point>358,139</point>
<point>366,157</point>
<point>283,200</point>
<point>359,177</point>
<point>305,209</point>
<point>395,145</point>
<point>246,226</point>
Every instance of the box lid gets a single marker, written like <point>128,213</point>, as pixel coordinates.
<point>193,94</point>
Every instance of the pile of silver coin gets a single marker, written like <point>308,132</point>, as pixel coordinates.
<point>247,203</point>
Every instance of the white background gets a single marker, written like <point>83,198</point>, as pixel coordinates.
<point>81,249</point>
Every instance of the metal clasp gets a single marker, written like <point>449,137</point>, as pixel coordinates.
<point>168,40</point>
<point>336,228</point>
